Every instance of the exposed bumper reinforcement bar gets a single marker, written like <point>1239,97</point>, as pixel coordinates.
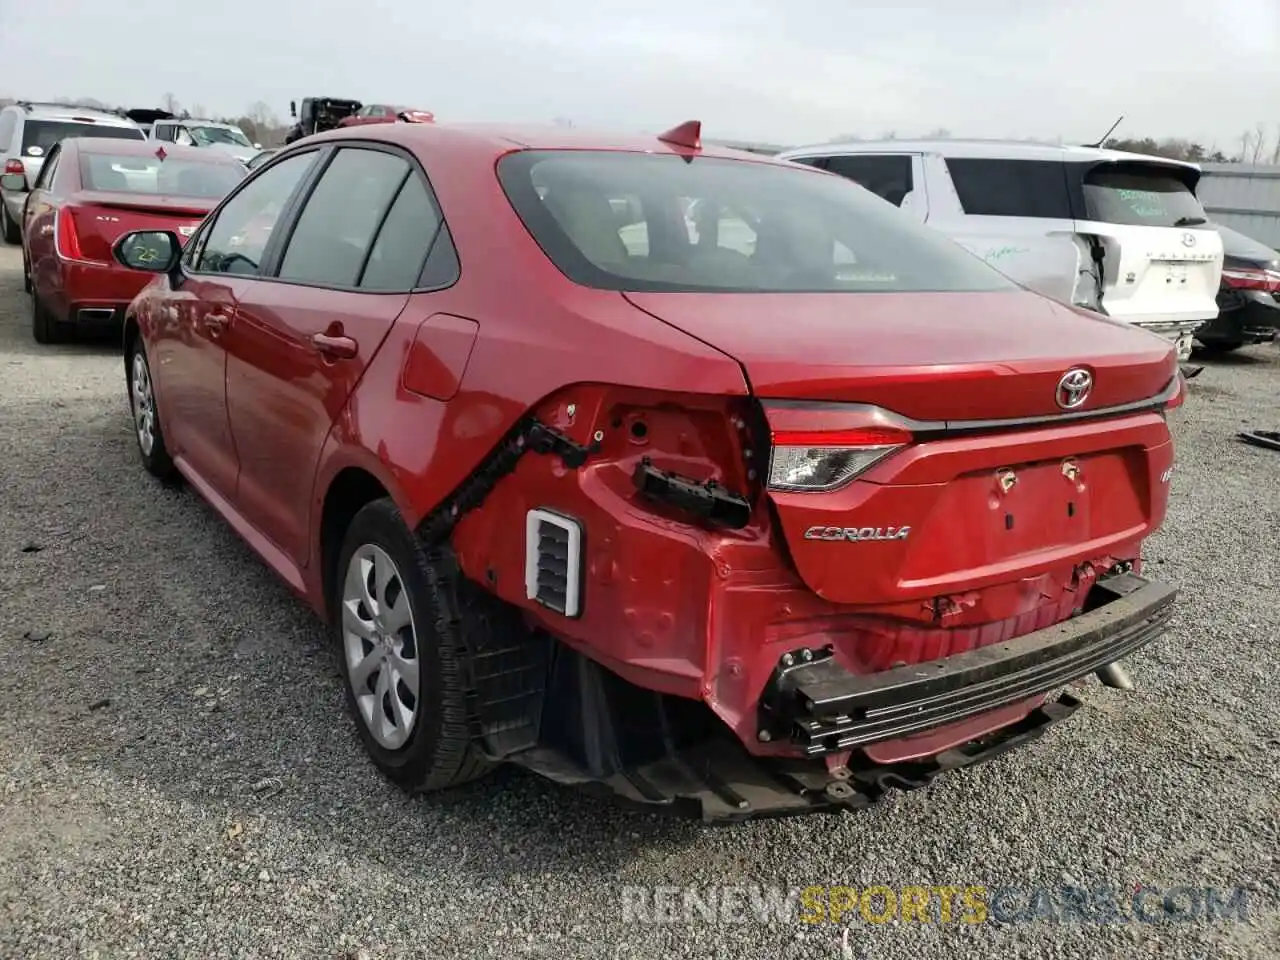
<point>823,708</point>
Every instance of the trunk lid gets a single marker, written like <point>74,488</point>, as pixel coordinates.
<point>927,356</point>
<point>103,217</point>
<point>953,507</point>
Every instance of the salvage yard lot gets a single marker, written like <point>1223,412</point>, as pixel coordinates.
<point>178,777</point>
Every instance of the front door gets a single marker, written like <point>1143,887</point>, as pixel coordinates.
<point>190,358</point>
<point>303,340</point>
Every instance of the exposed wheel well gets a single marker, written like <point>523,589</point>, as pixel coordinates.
<point>350,490</point>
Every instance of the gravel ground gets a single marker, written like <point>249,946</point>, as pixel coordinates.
<point>153,675</point>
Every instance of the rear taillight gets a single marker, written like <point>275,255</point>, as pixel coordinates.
<point>1252,278</point>
<point>1180,394</point>
<point>14,166</point>
<point>68,239</point>
<point>818,460</point>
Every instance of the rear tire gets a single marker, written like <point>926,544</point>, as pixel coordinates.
<point>44,326</point>
<point>398,617</point>
<point>146,418</point>
<point>12,232</point>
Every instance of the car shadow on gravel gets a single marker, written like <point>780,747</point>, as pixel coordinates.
<point>169,656</point>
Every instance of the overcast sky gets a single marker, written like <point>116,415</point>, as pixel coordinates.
<point>782,71</point>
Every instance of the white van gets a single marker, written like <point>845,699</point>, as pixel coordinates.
<point>1119,233</point>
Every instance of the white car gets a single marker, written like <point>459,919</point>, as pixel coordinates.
<point>1119,233</point>
<point>206,133</point>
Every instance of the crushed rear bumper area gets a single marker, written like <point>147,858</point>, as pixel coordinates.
<point>823,708</point>
<point>590,728</point>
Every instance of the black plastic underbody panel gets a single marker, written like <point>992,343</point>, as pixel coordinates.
<point>823,708</point>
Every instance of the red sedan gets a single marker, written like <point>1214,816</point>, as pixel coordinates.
<point>386,113</point>
<point>760,514</point>
<point>89,193</point>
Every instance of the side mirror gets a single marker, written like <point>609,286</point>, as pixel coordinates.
<point>16,182</point>
<point>293,108</point>
<point>153,251</point>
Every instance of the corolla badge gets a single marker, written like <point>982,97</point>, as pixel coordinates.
<point>1073,389</point>
<point>1188,239</point>
<point>857,534</point>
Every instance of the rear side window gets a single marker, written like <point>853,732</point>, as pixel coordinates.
<point>400,251</point>
<point>1011,188</point>
<point>336,227</point>
<point>40,136</point>
<point>122,173</point>
<point>639,221</point>
<point>888,177</point>
<point>1140,195</point>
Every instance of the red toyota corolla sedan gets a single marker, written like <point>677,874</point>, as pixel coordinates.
<point>90,192</point>
<point>758,514</point>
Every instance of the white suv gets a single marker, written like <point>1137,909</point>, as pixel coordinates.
<point>1119,233</point>
<point>28,131</point>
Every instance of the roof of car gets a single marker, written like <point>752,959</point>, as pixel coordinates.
<point>986,149</point>
<point>58,111</point>
<point>496,139</point>
<point>130,147</point>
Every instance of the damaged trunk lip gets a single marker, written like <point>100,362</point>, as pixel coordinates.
<point>930,429</point>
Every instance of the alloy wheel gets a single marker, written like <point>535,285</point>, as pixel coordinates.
<point>144,406</point>
<point>380,646</point>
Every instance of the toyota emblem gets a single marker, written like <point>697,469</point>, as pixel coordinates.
<point>1073,388</point>
<point>1188,239</point>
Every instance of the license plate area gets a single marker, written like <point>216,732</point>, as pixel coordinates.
<point>1007,513</point>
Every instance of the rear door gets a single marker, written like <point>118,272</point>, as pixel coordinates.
<point>305,334</point>
<point>1162,260</point>
<point>1017,215</point>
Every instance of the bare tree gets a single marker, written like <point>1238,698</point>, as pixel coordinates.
<point>938,133</point>
<point>170,103</point>
<point>199,111</point>
<point>262,115</point>
<point>1275,151</point>
<point>1259,142</point>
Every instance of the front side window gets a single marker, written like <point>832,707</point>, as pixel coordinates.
<point>1011,188</point>
<point>41,136</point>
<point>1137,194</point>
<point>635,221</point>
<point>238,237</point>
<point>336,227</point>
<point>149,175</point>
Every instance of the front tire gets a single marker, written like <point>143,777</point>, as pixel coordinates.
<point>397,617</point>
<point>146,419</point>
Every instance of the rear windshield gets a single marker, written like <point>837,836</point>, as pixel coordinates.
<point>151,175</point>
<point>44,135</point>
<point>635,221</point>
<point>1139,195</point>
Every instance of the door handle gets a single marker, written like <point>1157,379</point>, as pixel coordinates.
<point>337,347</point>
